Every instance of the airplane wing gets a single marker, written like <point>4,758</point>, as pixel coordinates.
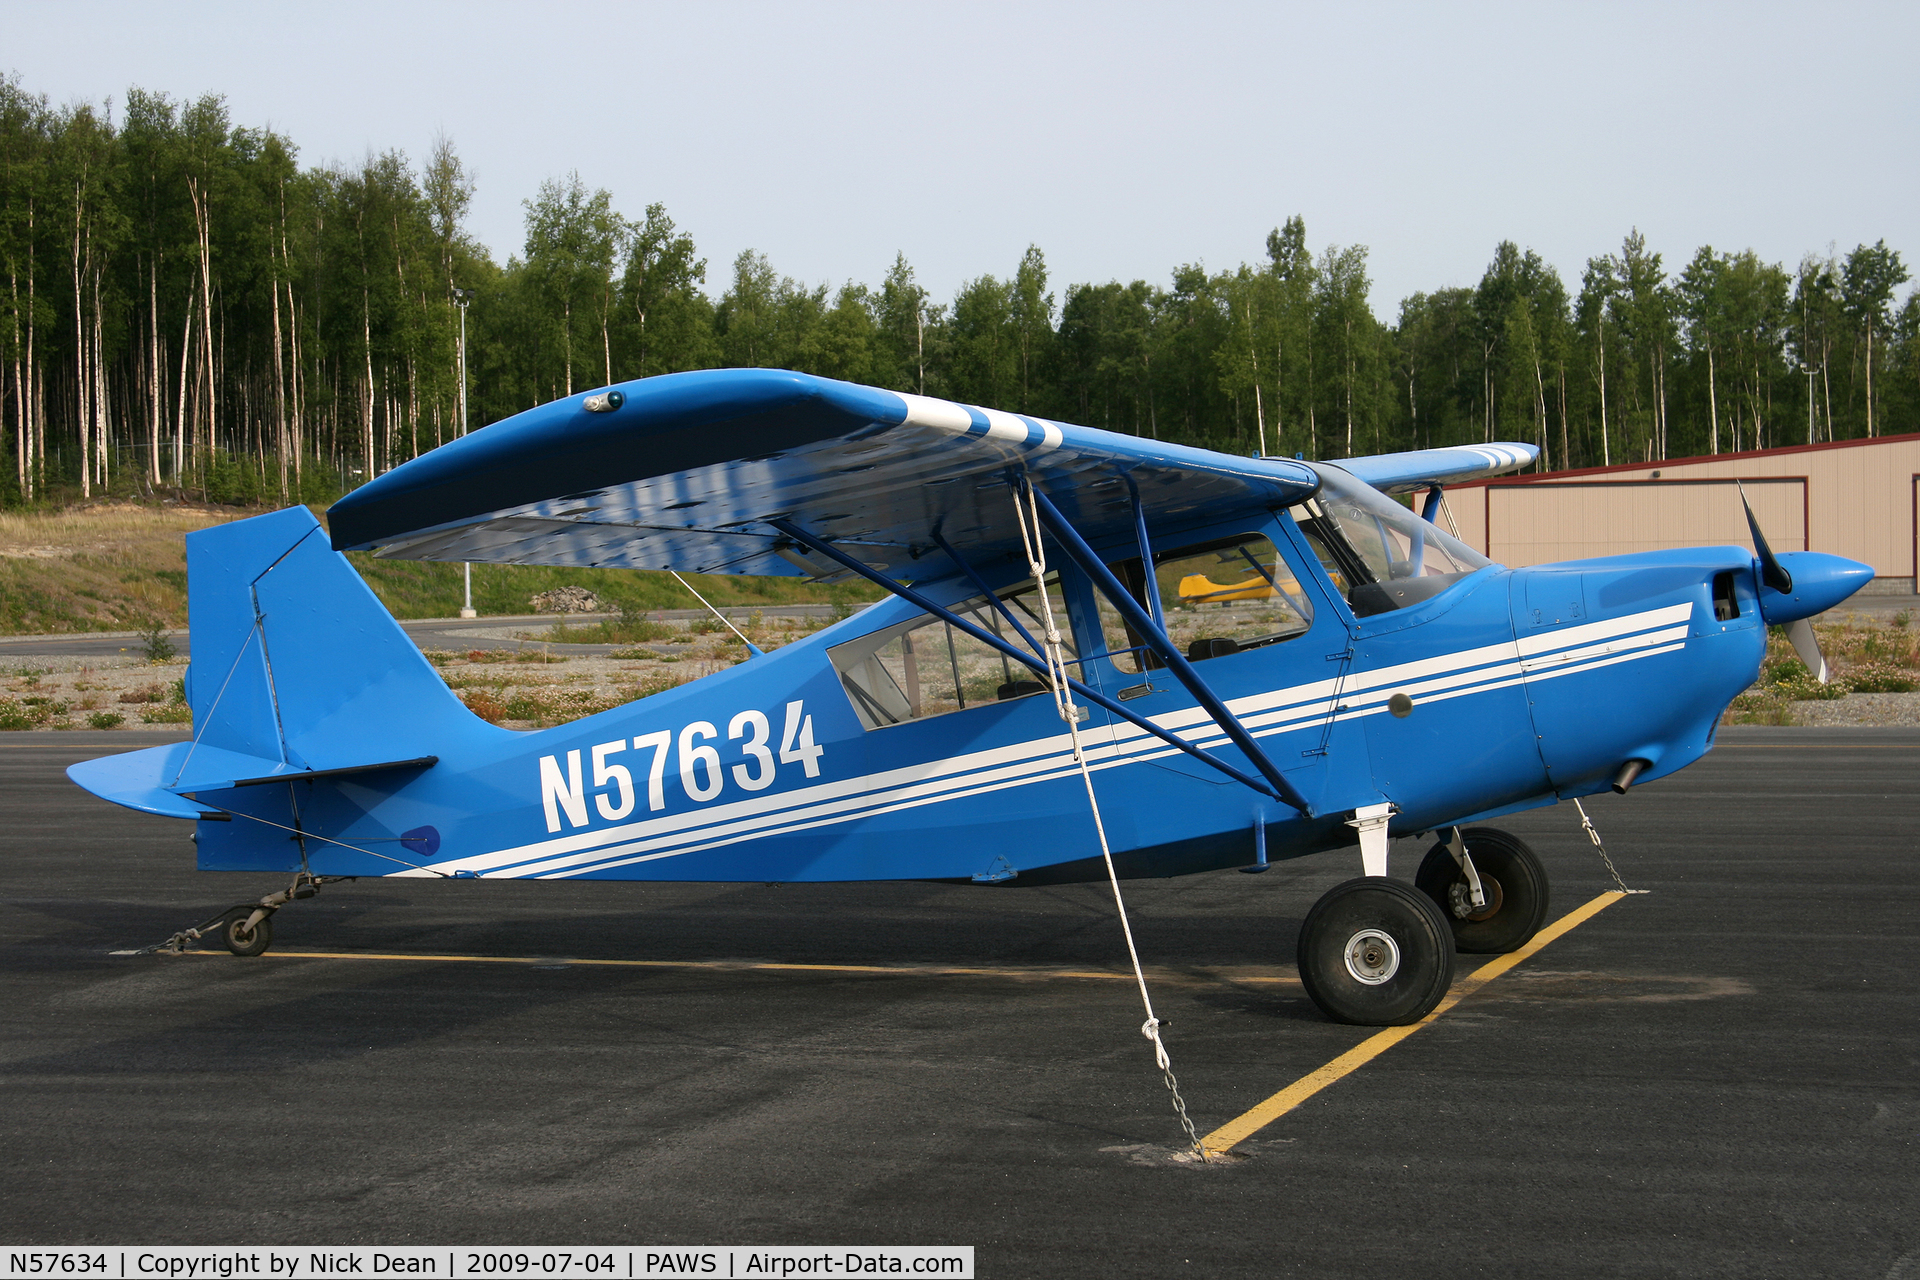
<point>1401,472</point>
<point>683,472</point>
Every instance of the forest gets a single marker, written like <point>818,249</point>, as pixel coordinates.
<point>189,311</point>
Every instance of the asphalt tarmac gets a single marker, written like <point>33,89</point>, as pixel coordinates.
<point>1719,1078</point>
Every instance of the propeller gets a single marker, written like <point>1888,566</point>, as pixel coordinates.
<point>1800,632</point>
<point>1772,572</point>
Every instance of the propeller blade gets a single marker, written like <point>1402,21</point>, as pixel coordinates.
<point>1807,645</point>
<point>1772,572</point>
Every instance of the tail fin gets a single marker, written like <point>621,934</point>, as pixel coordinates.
<point>295,659</point>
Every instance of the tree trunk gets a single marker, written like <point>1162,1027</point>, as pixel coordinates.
<point>279,395</point>
<point>32,388</point>
<point>1869,377</point>
<point>156,393</point>
<point>1349,342</point>
<point>180,419</point>
<point>80,379</point>
<point>1486,392</point>
<point>1713,408</point>
<point>1606,448</point>
<point>20,434</point>
<point>1566,453</point>
<point>366,401</point>
<point>1826,385</point>
<point>209,406</point>
<point>103,434</point>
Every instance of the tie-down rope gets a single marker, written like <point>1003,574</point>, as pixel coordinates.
<point>1028,512</point>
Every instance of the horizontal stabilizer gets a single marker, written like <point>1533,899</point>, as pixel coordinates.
<point>144,780</point>
<point>1400,472</point>
<point>156,779</point>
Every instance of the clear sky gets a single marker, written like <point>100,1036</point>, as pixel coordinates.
<point>1122,138</point>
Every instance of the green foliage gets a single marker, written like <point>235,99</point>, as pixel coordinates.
<point>626,629</point>
<point>423,589</point>
<point>106,719</point>
<point>1792,681</point>
<point>514,656</point>
<point>1882,677</point>
<point>154,644</point>
<point>307,323</point>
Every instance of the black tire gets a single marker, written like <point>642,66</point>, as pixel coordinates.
<point>1514,882</point>
<point>243,941</point>
<point>1375,952</point>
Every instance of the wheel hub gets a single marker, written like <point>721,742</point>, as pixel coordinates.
<point>1372,957</point>
<point>1460,897</point>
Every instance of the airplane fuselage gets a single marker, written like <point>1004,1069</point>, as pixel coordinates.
<point>1508,690</point>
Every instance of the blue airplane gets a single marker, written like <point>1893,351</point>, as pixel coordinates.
<point>1233,660</point>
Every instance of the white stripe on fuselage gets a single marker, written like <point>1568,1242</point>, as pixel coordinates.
<point>1355,695</point>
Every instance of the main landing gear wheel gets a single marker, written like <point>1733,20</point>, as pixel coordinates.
<point>1511,879</point>
<point>1376,953</point>
<point>241,940</point>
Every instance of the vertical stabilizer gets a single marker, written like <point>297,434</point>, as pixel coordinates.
<point>295,659</point>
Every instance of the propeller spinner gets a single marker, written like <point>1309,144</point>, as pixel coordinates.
<point>1799,584</point>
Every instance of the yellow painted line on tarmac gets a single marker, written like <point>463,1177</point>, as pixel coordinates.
<point>920,971</point>
<point>1816,746</point>
<point>1238,1130</point>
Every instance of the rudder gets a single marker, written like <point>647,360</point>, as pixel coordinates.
<point>294,658</point>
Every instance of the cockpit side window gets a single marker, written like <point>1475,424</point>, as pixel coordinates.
<point>1220,597</point>
<point>1379,554</point>
<point>924,667</point>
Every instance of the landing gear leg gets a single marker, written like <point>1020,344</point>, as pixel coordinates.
<point>1376,953</point>
<point>247,929</point>
<point>1511,903</point>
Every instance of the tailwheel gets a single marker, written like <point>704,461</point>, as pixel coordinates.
<point>1512,882</point>
<point>242,940</point>
<point>1375,952</point>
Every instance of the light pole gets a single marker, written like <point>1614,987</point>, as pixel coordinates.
<point>460,298</point>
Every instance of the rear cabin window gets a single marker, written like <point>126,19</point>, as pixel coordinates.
<point>1219,597</point>
<point>923,667</point>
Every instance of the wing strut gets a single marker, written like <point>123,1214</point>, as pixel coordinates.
<point>1030,661</point>
<point>1144,624</point>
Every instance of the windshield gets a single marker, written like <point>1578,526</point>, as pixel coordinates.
<point>1380,555</point>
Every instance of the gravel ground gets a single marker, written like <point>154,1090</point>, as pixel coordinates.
<point>77,689</point>
<point>65,693</point>
<point>1861,709</point>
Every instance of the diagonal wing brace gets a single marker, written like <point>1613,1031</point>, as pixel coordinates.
<point>1146,625</point>
<point>1034,663</point>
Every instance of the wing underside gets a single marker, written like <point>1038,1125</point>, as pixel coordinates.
<point>686,473</point>
<point>1403,472</point>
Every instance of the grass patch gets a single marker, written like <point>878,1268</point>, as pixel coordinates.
<point>515,656</point>
<point>121,566</point>
<point>106,567</point>
<point>15,714</point>
<point>421,589</point>
<point>622,630</point>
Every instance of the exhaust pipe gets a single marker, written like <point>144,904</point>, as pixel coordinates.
<point>1628,774</point>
